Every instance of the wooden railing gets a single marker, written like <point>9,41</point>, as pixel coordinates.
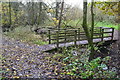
<point>73,35</point>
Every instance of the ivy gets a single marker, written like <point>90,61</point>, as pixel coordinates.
<point>80,68</point>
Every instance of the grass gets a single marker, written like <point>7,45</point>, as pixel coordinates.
<point>107,24</point>
<point>78,23</point>
<point>24,34</point>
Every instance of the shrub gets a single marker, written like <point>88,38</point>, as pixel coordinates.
<point>80,67</point>
<point>26,35</point>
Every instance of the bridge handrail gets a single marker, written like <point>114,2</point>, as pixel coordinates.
<point>64,35</point>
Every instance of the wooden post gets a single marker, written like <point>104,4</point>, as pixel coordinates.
<point>78,34</point>
<point>75,41</point>
<point>57,39</point>
<point>49,36</point>
<point>102,33</point>
<point>112,34</point>
<point>65,35</point>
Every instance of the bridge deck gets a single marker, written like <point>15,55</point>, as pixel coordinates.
<point>54,46</point>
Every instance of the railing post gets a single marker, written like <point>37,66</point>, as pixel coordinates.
<point>78,34</point>
<point>65,35</point>
<point>57,39</point>
<point>102,33</point>
<point>49,36</point>
<point>112,34</point>
<point>75,41</point>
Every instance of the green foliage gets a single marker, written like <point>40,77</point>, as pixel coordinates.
<point>73,23</point>
<point>24,34</point>
<point>58,57</point>
<point>80,67</point>
<point>88,69</point>
<point>6,14</point>
<point>110,8</point>
<point>40,42</point>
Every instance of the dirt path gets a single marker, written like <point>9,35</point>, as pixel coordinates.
<point>23,60</point>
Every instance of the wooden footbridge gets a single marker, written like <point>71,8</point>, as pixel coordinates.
<point>74,37</point>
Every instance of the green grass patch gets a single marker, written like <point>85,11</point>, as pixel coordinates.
<point>107,24</point>
<point>39,42</point>
<point>24,34</point>
<point>75,23</point>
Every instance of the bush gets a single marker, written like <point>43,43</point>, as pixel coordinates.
<point>24,34</point>
<point>80,67</point>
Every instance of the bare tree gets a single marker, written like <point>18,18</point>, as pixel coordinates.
<point>57,9</point>
<point>85,27</point>
<point>33,12</point>
<point>92,31</point>
<point>10,21</point>
<point>40,13</point>
<point>62,6</point>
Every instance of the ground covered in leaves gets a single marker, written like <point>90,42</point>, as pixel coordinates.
<point>22,60</point>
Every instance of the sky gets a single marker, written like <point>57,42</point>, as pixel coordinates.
<point>78,3</point>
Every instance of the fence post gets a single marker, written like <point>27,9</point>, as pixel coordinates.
<point>57,39</point>
<point>75,41</point>
<point>112,34</point>
<point>65,35</point>
<point>102,33</point>
<point>78,34</point>
<point>49,36</point>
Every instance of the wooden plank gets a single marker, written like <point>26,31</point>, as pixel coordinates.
<point>83,42</point>
<point>108,32</point>
<point>55,38</point>
<point>82,33</point>
<point>107,28</point>
<point>107,36</point>
<point>63,36</point>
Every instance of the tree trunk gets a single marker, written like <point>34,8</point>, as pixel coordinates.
<point>59,24</point>
<point>16,13</point>
<point>92,19</point>
<point>90,43</point>
<point>40,13</point>
<point>57,10</point>
<point>10,21</point>
<point>32,12</point>
<point>92,32</point>
<point>85,21</point>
